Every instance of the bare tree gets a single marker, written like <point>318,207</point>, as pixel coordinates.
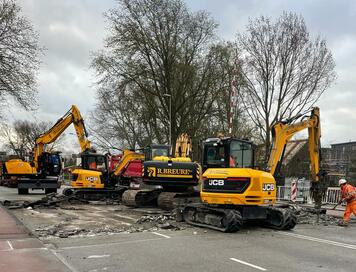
<point>20,138</point>
<point>284,70</point>
<point>19,56</point>
<point>156,51</point>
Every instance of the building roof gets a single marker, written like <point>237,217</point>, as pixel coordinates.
<point>346,143</point>
<point>292,149</point>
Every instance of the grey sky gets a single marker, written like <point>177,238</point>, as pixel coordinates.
<point>72,29</point>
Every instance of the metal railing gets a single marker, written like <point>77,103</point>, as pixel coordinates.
<point>332,196</point>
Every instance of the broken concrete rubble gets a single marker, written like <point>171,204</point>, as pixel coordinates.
<point>163,221</point>
<point>310,215</point>
<point>57,216</point>
<point>50,200</point>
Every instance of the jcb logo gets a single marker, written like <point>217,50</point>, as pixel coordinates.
<point>91,179</point>
<point>268,187</point>
<point>151,171</point>
<point>216,182</point>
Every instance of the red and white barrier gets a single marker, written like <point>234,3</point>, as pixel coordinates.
<point>293,194</point>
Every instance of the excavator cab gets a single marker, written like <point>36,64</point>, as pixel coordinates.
<point>228,153</point>
<point>93,172</point>
<point>50,164</point>
<point>94,161</point>
<point>156,150</point>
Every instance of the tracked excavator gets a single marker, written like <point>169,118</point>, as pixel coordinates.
<point>166,181</point>
<point>139,177</point>
<point>234,192</point>
<point>44,170</point>
<point>94,180</point>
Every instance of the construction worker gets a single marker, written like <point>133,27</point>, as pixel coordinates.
<point>348,194</point>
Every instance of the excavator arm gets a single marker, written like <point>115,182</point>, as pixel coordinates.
<point>282,132</point>
<point>72,116</point>
<point>183,146</point>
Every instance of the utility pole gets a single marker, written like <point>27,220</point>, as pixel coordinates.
<point>170,118</point>
<point>233,99</point>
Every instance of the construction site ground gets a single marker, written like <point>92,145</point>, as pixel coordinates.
<point>110,237</point>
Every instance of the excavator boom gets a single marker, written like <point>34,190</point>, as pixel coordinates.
<point>72,116</point>
<point>282,132</point>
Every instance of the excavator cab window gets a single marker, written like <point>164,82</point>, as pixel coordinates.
<point>228,153</point>
<point>214,155</point>
<point>156,151</point>
<point>94,162</point>
<point>241,154</point>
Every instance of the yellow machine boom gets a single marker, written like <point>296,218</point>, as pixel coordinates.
<point>74,117</point>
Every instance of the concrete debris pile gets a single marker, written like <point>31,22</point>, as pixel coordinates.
<point>155,222</point>
<point>64,231</point>
<point>50,200</point>
<point>57,231</point>
<point>309,215</point>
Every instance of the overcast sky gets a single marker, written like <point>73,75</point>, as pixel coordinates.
<point>71,29</point>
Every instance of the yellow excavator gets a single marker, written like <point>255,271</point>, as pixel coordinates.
<point>166,180</point>
<point>94,181</point>
<point>233,191</point>
<point>140,178</point>
<point>43,171</point>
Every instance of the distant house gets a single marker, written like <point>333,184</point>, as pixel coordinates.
<point>338,161</point>
<point>341,161</point>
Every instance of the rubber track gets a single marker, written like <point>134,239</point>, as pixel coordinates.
<point>225,220</point>
<point>94,194</point>
<point>139,198</point>
<point>281,218</point>
<point>172,200</point>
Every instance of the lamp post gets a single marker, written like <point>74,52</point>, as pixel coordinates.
<point>170,118</point>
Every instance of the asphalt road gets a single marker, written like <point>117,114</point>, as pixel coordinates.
<point>306,248</point>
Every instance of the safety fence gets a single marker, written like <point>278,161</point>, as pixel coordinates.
<point>332,196</point>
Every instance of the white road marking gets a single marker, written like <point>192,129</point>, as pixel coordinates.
<point>314,239</point>
<point>97,256</point>
<point>64,261</point>
<point>248,264</point>
<point>110,244</point>
<point>160,234</point>
<point>10,245</point>
<point>25,249</point>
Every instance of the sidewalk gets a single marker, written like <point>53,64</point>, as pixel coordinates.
<point>19,252</point>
